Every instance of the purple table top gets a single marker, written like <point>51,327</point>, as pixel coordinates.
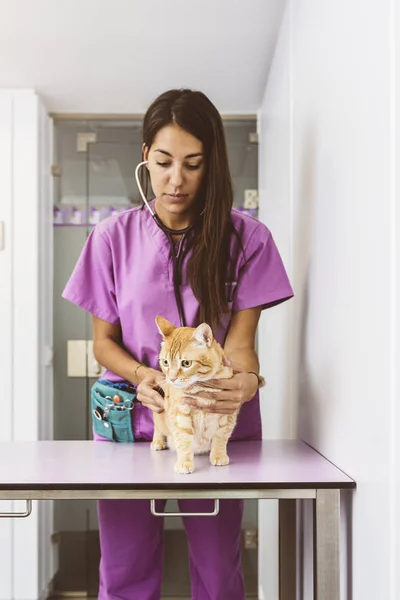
<point>88,465</point>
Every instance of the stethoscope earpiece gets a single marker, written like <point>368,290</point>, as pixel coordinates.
<point>141,164</point>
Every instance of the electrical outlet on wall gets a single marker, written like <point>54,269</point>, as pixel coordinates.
<point>250,538</point>
<point>83,139</point>
<point>81,361</point>
<point>253,137</point>
<point>76,358</point>
<point>250,199</point>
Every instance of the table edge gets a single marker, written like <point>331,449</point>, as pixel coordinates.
<point>179,487</point>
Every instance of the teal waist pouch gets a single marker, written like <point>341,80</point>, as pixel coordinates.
<point>112,405</point>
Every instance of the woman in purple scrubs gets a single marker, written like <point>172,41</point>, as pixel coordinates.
<point>227,269</point>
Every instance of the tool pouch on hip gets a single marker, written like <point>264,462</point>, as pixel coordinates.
<point>112,404</point>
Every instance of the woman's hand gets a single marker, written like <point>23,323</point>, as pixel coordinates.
<point>147,394</point>
<point>234,392</point>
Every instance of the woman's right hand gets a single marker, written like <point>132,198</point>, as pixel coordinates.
<point>146,392</point>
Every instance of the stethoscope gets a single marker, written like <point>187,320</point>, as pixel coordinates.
<point>177,255</point>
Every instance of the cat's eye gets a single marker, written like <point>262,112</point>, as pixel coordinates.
<point>186,363</point>
<point>165,362</point>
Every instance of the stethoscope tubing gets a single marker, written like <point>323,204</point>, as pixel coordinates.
<point>177,255</point>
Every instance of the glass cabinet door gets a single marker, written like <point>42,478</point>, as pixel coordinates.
<point>94,181</point>
<point>241,139</point>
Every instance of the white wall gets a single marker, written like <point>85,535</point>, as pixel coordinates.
<point>6,526</point>
<point>25,328</point>
<point>395,542</point>
<point>274,337</point>
<point>329,181</point>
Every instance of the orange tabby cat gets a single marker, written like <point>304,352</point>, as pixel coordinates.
<point>190,357</point>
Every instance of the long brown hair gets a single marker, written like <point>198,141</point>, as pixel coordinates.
<point>209,267</point>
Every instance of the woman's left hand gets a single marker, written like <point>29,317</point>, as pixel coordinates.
<point>234,392</point>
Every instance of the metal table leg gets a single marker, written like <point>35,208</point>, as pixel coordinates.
<point>326,545</point>
<point>287,550</point>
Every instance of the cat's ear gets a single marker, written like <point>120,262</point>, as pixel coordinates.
<point>203,335</point>
<point>164,326</point>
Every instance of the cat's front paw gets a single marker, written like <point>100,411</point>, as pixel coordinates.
<point>158,445</point>
<point>184,466</point>
<point>219,460</point>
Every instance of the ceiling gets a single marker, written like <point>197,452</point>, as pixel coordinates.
<point>115,56</point>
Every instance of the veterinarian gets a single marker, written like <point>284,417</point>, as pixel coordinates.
<point>191,258</point>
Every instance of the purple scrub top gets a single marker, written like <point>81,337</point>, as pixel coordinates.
<point>124,276</point>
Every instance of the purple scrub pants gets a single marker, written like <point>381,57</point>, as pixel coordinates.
<point>131,541</point>
<point>131,544</point>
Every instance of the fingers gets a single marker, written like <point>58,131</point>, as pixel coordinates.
<point>223,396</point>
<point>156,409</point>
<point>153,407</point>
<point>148,395</point>
<point>221,406</point>
<point>225,361</point>
<point>202,387</point>
<point>228,384</point>
<point>225,408</point>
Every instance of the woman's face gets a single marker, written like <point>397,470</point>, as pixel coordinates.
<point>176,164</point>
